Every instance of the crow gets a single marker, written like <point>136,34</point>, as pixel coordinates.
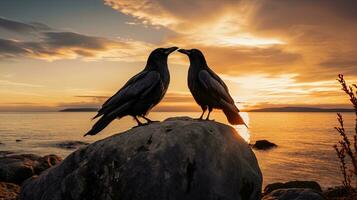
<point>208,90</point>
<point>141,93</point>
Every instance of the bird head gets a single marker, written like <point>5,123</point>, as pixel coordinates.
<point>195,56</point>
<point>159,56</point>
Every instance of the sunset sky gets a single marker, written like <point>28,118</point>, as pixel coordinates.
<point>76,53</point>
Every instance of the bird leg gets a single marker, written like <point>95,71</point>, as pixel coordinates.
<point>148,120</point>
<point>209,112</point>
<point>203,112</point>
<point>138,121</point>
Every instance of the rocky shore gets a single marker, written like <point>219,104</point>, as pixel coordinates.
<point>16,168</point>
<point>179,158</point>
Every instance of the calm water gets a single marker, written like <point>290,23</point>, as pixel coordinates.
<point>305,139</point>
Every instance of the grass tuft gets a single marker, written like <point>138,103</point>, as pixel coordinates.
<point>345,149</point>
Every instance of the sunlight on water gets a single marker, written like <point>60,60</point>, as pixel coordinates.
<point>243,130</point>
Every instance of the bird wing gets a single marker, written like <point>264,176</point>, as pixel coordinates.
<point>214,86</point>
<point>129,82</point>
<point>215,76</point>
<point>135,88</point>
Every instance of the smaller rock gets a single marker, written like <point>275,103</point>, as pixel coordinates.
<point>9,191</point>
<point>71,144</point>
<point>46,162</point>
<point>293,184</point>
<point>339,192</point>
<point>263,145</point>
<point>2,143</point>
<point>18,140</point>
<point>294,194</point>
<point>17,168</point>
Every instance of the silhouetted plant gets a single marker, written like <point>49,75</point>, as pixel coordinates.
<point>344,148</point>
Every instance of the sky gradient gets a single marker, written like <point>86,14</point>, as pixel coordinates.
<point>62,54</point>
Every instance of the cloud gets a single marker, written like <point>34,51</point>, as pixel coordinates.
<point>21,27</point>
<point>280,14</point>
<point>243,60</point>
<point>11,48</point>
<point>315,40</point>
<point>70,45</point>
<point>260,89</point>
<point>202,22</point>
<point>322,31</point>
<point>267,51</point>
<point>7,83</point>
<point>53,45</point>
<point>172,14</point>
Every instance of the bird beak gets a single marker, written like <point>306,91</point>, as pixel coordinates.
<point>170,50</point>
<point>184,51</point>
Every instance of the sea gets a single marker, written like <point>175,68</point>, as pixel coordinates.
<point>305,139</point>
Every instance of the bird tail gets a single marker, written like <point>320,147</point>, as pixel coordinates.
<point>232,114</point>
<point>100,125</point>
<point>97,115</point>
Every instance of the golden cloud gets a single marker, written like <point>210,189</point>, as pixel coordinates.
<point>299,37</point>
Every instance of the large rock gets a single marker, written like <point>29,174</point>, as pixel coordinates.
<point>17,168</point>
<point>294,194</point>
<point>180,158</point>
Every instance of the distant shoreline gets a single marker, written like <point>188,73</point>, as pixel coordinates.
<point>302,109</point>
<point>79,110</point>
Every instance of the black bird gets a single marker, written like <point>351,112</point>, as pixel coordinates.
<point>208,89</point>
<point>141,93</point>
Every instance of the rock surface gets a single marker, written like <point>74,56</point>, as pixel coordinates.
<point>263,145</point>
<point>294,194</point>
<point>293,184</point>
<point>179,158</point>
<point>17,168</point>
<point>9,191</point>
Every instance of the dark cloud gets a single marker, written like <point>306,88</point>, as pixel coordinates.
<point>11,48</point>
<point>60,44</point>
<point>21,27</point>
<point>70,39</point>
<point>50,44</point>
<point>344,60</point>
<point>321,31</point>
<point>283,14</point>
